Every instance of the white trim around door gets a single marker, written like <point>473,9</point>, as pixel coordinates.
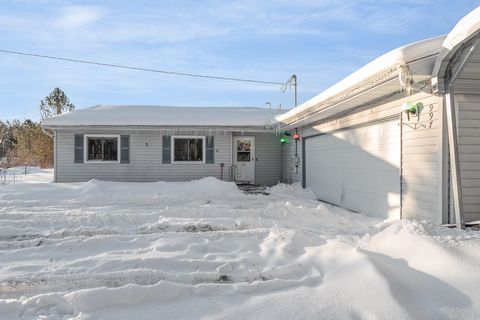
<point>243,159</point>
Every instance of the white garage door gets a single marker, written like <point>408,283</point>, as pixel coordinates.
<point>357,168</point>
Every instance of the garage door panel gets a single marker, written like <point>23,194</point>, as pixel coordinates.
<point>332,195</point>
<point>355,179</point>
<point>357,168</point>
<point>356,160</point>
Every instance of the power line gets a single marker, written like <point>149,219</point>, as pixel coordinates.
<point>195,75</point>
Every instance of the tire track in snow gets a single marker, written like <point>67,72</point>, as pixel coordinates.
<point>38,285</point>
<point>36,239</point>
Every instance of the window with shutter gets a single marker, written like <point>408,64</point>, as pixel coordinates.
<point>166,149</point>
<point>78,148</point>
<point>125,149</point>
<point>210,149</point>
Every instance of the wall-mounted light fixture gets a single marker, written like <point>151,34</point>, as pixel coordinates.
<point>413,109</point>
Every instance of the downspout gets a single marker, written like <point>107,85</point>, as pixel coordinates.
<point>296,151</point>
<point>281,162</point>
<point>453,141</point>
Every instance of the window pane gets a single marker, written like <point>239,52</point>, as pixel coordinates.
<point>102,149</point>
<point>243,145</point>
<point>94,149</point>
<point>195,152</point>
<point>110,150</point>
<point>243,156</point>
<point>181,149</point>
<point>187,149</point>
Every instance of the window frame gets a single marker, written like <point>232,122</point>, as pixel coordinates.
<point>172,149</point>
<point>85,147</point>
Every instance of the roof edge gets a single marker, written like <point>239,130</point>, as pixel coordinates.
<point>369,76</point>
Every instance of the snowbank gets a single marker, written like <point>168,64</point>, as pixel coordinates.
<point>97,191</point>
<point>204,249</point>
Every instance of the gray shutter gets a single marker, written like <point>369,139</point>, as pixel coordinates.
<point>210,149</point>
<point>78,148</point>
<point>166,149</point>
<point>124,149</point>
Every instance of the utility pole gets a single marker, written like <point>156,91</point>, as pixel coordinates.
<point>294,83</point>
<point>291,82</point>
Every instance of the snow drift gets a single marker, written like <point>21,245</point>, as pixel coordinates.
<point>204,249</point>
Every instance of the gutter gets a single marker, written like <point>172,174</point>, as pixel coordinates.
<point>402,71</point>
<point>140,127</point>
<point>306,115</point>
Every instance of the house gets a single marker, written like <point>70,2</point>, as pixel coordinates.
<point>399,138</point>
<point>151,143</point>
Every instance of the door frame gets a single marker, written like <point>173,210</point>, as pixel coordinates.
<point>253,156</point>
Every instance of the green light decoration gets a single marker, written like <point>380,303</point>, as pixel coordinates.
<point>412,108</point>
<point>283,139</point>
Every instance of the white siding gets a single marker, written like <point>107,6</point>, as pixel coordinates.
<point>468,108</point>
<point>267,153</point>
<point>146,158</point>
<point>422,172</point>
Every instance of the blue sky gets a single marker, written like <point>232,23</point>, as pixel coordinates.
<point>320,41</point>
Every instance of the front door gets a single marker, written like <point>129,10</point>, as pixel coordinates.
<point>244,159</point>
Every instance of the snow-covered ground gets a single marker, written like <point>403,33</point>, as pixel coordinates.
<point>204,249</point>
<point>32,175</point>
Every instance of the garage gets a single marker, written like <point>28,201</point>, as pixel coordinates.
<point>357,168</point>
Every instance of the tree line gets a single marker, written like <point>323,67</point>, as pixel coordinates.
<point>25,142</point>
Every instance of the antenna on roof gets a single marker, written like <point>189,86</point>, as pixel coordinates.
<point>291,82</point>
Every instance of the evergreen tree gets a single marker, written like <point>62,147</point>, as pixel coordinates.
<point>7,139</point>
<point>55,103</point>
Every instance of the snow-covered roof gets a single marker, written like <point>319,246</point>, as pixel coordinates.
<point>420,58</point>
<point>457,39</point>
<point>394,59</point>
<point>131,115</point>
<point>467,26</point>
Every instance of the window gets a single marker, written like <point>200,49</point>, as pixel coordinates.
<point>244,148</point>
<point>102,148</point>
<point>188,149</point>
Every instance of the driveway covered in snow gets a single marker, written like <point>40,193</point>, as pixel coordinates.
<point>204,249</point>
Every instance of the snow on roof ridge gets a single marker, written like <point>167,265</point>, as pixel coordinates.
<point>392,59</point>
<point>150,115</point>
<point>467,26</point>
